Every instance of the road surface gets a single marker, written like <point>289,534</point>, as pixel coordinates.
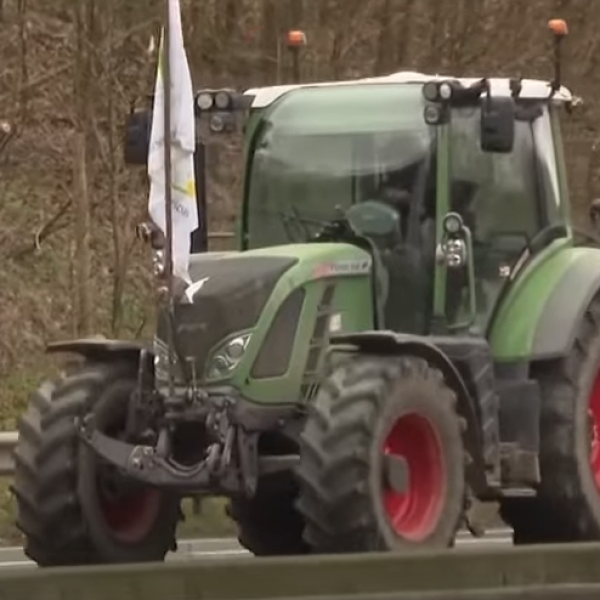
<point>211,548</point>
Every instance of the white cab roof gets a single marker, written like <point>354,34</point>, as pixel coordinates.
<point>532,88</point>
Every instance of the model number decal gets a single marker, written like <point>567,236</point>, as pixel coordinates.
<point>343,267</point>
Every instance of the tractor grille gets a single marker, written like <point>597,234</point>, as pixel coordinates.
<point>231,300</point>
<point>318,344</point>
<point>274,356</point>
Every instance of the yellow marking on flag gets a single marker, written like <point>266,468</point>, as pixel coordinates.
<point>188,190</point>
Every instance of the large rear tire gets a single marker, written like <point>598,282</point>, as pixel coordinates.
<point>367,410</point>
<point>567,505</point>
<point>71,508</point>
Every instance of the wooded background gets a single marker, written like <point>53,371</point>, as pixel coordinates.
<point>69,264</point>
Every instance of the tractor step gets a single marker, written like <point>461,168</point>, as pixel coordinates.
<point>518,493</point>
<point>276,463</point>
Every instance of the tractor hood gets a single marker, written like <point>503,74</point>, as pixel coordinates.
<point>230,290</point>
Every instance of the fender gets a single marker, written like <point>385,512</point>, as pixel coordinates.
<point>566,305</point>
<point>101,349</point>
<point>538,317</point>
<point>388,342</point>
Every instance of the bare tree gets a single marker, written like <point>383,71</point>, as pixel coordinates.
<point>84,23</point>
<point>23,58</point>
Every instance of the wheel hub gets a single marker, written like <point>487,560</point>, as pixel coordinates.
<point>129,509</point>
<point>396,474</point>
<point>129,513</point>
<point>414,478</point>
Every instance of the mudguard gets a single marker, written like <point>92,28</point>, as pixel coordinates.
<point>388,342</point>
<point>565,307</point>
<point>539,317</point>
<point>100,348</point>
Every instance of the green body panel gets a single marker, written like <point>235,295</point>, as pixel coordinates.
<point>352,300</point>
<point>559,269</point>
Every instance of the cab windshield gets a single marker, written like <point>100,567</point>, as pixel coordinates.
<point>319,150</point>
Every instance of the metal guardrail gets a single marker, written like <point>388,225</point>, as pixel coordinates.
<point>567,572</point>
<point>564,572</point>
<point>542,592</point>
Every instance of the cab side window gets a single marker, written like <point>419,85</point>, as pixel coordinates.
<point>500,197</point>
<point>505,188</point>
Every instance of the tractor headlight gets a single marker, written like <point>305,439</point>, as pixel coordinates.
<point>158,262</point>
<point>205,101</point>
<point>452,224</point>
<point>161,360</point>
<point>217,124</point>
<point>223,100</point>
<point>227,356</point>
<point>456,254</point>
<point>445,91</point>
<point>430,91</point>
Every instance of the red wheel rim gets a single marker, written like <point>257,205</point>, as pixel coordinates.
<point>594,417</point>
<point>415,513</point>
<point>132,516</point>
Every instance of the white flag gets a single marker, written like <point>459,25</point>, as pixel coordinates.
<point>183,142</point>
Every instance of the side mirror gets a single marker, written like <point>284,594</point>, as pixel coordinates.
<point>497,128</point>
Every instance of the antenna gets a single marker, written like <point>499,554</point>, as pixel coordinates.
<point>559,30</point>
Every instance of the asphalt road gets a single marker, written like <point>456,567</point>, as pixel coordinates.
<point>223,548</point>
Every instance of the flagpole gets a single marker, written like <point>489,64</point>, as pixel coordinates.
<point>166,74</point>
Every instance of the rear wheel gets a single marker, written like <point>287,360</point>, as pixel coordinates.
<point>567,505</point>
<point>382,460</point>
<point>71,507</point>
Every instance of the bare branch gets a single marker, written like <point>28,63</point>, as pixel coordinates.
<point>55,224</point>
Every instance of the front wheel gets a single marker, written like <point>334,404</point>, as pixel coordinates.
<point>72,508</point>
<point>382,460</point>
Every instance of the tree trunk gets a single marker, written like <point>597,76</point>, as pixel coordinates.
<point>85,26</point>
<point>82,269</point>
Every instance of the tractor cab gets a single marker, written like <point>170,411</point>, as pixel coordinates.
<point>404,159</point>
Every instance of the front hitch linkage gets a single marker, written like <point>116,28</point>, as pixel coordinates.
<point>142,462</point>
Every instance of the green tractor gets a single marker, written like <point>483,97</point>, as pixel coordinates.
<point>410,323</point>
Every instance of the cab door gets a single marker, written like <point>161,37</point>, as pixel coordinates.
<point>505,200</point>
